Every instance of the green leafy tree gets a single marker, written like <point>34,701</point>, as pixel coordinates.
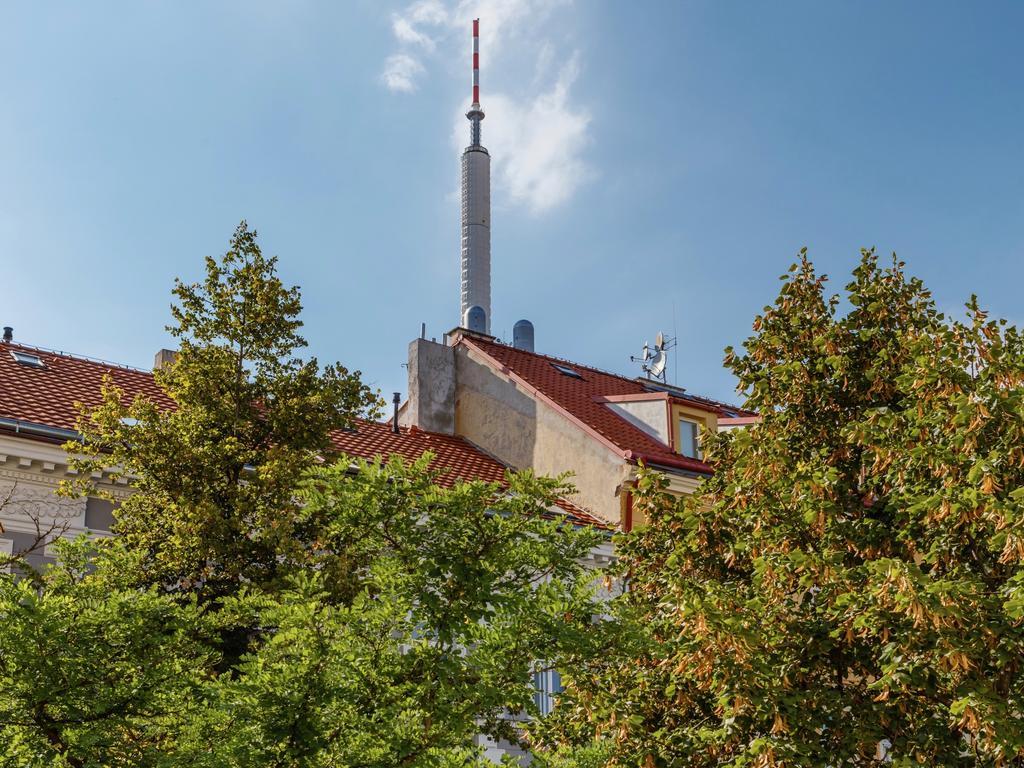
<point>454,595</point>
<point>217,458</point>
<point>91,676</point>
<point>848,587</point>
<point>458,594</point>
<point>266,603</point>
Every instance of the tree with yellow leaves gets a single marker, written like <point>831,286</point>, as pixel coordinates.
<point>848,588</point>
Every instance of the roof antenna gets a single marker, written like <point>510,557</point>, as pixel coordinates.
<point>675,335</point>
<point>654,361</point>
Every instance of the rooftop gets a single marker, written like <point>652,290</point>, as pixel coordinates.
<point>45,395</point>
<point>580,393</point>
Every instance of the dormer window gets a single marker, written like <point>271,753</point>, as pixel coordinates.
<point>689,439</point>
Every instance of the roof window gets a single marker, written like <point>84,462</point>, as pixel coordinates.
<point>566,371</point>
<point>24,358</point>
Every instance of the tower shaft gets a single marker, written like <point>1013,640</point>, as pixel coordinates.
<point>476,208</point>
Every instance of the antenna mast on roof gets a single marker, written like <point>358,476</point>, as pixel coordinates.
<point>476,211</point>
<point>654,361</point>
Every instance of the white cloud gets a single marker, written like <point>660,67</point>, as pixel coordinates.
<point>428,12</point>
<point>400,72</point>
<point>407,33</point>
<point>503,21</point>
<point>538,140</point>
<point>537,145</point>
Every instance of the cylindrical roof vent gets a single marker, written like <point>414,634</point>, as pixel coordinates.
<point>475,319</point>
<point>8,333</point>
<point>522,335</point>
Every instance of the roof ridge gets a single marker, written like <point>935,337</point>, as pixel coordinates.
<point>555,358</point>
<point>636,380</point>
<point>75,356</point>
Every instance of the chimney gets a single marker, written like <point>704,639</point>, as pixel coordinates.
<point>431,405</point>
<point>164,358</point>
<point>8,334</point>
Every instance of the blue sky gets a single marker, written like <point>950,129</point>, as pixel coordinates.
<point>657,165</point>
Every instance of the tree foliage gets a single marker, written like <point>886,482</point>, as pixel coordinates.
<point>453,598</point>
<point>460,592</point>
<point>91,676</point>
<point>848,586</point>
<point>267,603</point>
<point>217,462</point>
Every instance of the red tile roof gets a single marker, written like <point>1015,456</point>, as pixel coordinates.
<point>580,400</point>
<point>47,396</point>
<point>455,457</point>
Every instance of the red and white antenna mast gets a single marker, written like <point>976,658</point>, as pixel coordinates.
<point>475,114</point>
<point>475,310</point>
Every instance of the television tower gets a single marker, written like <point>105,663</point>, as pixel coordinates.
<point>476,213</point>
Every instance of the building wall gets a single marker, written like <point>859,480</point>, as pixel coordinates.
<point>492,412</point>
<point>647,415</point>
<point>32,515</point>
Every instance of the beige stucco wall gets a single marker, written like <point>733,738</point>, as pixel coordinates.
<point>649,415</point>
<point>492,412</point>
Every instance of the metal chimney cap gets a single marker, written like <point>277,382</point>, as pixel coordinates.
<point>397,399</point>
<point>8,333</point>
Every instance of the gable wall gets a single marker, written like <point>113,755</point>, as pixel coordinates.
<point>494,413</point>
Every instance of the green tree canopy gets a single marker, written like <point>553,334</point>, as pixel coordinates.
<point>216,472</point>
<point>267,603</point>
<point>848,585</point>
<point>92,676</point>
<point>460,593</point>
<point>453,598</point>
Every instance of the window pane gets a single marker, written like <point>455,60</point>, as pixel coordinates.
<point>689,432</point>
<point>547,684</point>
<point>99,514</point>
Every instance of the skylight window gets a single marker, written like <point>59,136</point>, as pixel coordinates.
<point>24,358</point>
<point>566,371</point>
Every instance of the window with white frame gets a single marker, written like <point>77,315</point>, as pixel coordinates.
<point>689,438</point>
<point>547,684</point>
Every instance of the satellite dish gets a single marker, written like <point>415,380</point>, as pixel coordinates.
<point>655,359</point>
<point>657,364</point>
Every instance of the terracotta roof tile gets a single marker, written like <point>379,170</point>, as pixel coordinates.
<point>47,396</point>
<point>580,399</point>
<point>456,458</point>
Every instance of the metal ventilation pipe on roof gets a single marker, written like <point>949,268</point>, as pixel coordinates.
<point>522,335</point>
<point>475,319</point>
<point>8,334</point>
<point>397,399</point>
